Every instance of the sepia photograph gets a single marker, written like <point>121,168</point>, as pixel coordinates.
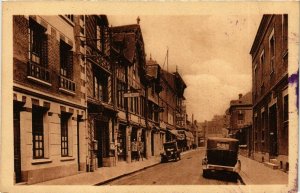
<point>149,97</point>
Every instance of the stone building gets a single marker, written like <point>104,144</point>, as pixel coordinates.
<point>158,133</point>
<point>49,99</point>
<point>270,91</point>
<point>101,111</point>
<point>131,92</point>
<point>216,127</point>
<point>240,127</point>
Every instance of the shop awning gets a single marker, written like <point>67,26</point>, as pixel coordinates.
<point>179,136</point>
<point>189,135</point>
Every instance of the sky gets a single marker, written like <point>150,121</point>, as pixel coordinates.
<point>211,53</point>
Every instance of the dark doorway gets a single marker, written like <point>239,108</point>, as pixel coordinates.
<point>102,136</point>
<point>273,130</point>
<point>143,139</point>
<point>121,141</point>
<point>17,144</point>
<point>152,143</point>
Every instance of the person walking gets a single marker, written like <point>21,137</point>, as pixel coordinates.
<point>140,150</point>
<point>134,150</point>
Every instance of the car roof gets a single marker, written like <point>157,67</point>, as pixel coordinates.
<point>222,139</point>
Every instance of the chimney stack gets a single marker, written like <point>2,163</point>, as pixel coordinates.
<point>240,96</point>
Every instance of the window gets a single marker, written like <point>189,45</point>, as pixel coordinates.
<point>37,132</point>
<point>262,62</point>
<point>240,117</point>
<point>70,17</point>
<point>272,51</point>
<point>66,60</point>
<point>286,108</point>
<point>100,87</point>
<point>262,89</point>
<point>38,43</point>
<point>64,134</point>
<point>98,36</point>
<point>263,121</point>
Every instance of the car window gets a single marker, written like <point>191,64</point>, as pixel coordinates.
<point>223,145</point>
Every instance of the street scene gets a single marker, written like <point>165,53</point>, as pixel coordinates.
<point>106,100</point>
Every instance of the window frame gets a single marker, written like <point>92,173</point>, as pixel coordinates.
<point>272,52</point>
<point>38,136</point>
<point>64,134</point>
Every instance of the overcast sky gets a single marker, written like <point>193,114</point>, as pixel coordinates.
<point>211,53</point>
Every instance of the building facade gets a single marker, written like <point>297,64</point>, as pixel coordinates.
<point>85,97</point>
<point>49,105</point>
<point>240,127</point>
<point>270,91</point>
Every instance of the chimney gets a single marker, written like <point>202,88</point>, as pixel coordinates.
<point>240,96</point>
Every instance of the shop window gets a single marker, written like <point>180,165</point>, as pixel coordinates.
<point>38,132</point>
<point>64,119</point>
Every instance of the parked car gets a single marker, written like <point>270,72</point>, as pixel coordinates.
<point>171,152</point>
<point>221,155</point>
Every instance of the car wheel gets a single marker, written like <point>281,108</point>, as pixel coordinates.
<point>205,173</point>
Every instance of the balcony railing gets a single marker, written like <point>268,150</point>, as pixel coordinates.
<point>38,72</point>
<point>66,84</point>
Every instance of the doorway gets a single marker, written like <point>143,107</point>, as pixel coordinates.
<point>273,130</point>
<point>102,136</point>
<point>152,143</point>
<point>17,144</point>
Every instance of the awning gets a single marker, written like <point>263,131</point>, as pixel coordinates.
<point>189,135</point>
<point>179,136</point>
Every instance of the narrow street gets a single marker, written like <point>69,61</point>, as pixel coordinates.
<point>187,171</point>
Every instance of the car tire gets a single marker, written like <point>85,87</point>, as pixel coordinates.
<point>205,173</point>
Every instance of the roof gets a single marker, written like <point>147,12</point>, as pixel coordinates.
<point>260,32</point>
<point>222,139</point>
<point>127,41</point>
<point>245,100</point>
<point>126,38</point>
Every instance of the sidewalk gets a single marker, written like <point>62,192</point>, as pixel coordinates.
<point>256,173</point>
<point>105,174</point>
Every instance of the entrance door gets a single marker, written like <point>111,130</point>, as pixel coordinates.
<point>121,143</point>
<point>101,135</point>
<point>152,143</point>
<point>273,130</point>
<point>17,145</point>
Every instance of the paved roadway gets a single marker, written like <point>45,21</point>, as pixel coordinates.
<point>187,171</point>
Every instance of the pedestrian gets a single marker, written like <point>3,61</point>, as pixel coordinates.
<point>134,150</point>
<point>140,150</point>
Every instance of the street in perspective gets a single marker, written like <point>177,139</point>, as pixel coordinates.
<point>107,100</point>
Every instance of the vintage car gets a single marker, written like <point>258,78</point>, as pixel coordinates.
<point>221,155</point>
<point>171,152</point>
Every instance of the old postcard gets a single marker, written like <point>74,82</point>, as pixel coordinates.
<point>149,97</point>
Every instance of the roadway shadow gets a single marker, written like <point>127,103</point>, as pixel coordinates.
<point>225,176</point>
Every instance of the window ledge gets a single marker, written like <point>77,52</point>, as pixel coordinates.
<point>40,161</point>
<point>67,91</point>
<point>67,159</point>
<point>39,81</point>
